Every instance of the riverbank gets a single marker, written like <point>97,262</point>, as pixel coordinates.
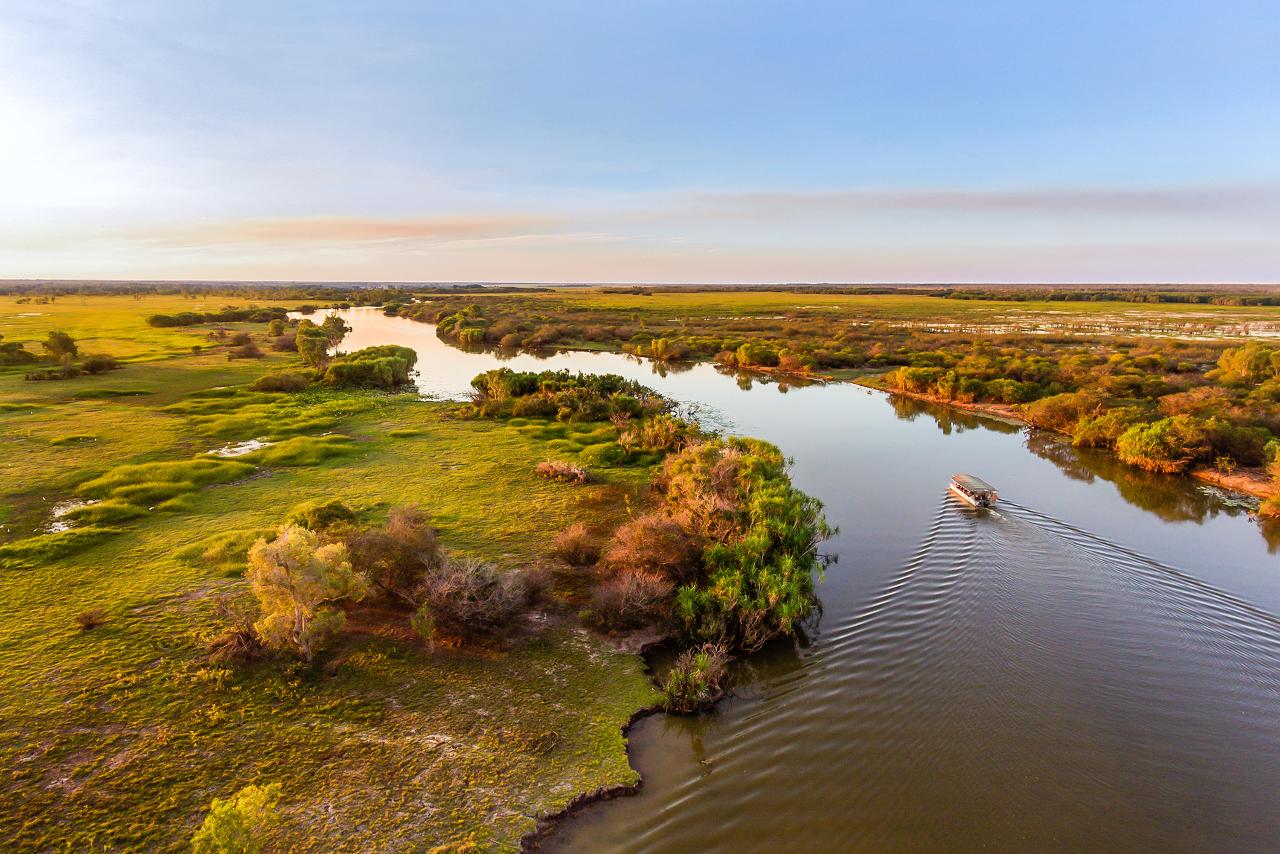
<point>1253,482</point>
<point>998,411</point>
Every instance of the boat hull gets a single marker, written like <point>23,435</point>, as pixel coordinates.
<point>970,499</point>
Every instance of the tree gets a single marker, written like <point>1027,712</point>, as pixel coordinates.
<point>296,581</point>
<point>313,343</point>
<point>235,825</point>
<point>59,345</point>
<point>334,328</point>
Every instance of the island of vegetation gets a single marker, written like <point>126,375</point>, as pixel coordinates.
<point>261,596</point>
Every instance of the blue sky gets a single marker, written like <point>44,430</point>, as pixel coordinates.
<point>567,141</point>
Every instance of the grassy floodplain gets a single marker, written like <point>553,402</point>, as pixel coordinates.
<point>119,737</point>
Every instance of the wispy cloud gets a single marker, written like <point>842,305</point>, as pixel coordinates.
<point>1202,199</point>
<point>345,230</point>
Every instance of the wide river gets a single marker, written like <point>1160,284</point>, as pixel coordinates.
<point>1093,665</point>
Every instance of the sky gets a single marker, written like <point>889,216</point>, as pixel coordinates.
<point>626,141</point>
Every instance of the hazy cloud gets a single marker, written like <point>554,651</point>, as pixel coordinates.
<point>1204,199</point>
<point>346,230</point>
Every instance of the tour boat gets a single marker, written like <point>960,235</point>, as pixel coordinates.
<point>975,490</point>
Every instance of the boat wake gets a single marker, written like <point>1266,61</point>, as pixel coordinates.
<point>1015,677</point>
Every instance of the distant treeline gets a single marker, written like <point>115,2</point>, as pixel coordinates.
<point>356,293</point>
<point>251,314</point>
<point>1131,295</point>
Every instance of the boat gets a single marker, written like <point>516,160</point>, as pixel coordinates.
<point>974,490</point>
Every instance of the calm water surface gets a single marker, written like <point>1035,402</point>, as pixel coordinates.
<point>1096,664</point>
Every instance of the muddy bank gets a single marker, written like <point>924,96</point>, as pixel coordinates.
<point>547,824</point>
<point>1249,481</point>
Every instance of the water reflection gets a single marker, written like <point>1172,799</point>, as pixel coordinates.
<point>948,418</point>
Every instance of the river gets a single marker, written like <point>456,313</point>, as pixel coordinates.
<point>1094,664</point>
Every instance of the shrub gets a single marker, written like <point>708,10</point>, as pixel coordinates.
<point>1168,445</point>
<point>99,363</point>
<point>245,351</point>
<point>575,545</point>
<point>570,397</point>
<point>1102,431</point>
<point>1270,509</point>
<point>240,339</point>
<point>397,556</point>
<point>239,642</point>
<point>297,581</point>
<point>759,570</point>
<point>468,598</point>
<point>563,471</point>
<point>236,825</point>
<point>285,344</point>
<point>652,544</point>
<point>386,366</point>
<point>659,433</point>
<point>695,679</point>
<point>321,514</point>
<point>91,619</point>
<point>1061,412</point>
<point>59,344</point>
<point>283,381</point>
<point>630,600</point>
<point>13,353</point>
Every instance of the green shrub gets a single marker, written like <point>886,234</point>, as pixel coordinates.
<point>286,381</point>
<point>320,514</point>
<point>764,533</point>
<point>695,679</point>
<point>236,825</point>
<point>99,363</point>
<point>386,366</point>
<point>1168,445</point>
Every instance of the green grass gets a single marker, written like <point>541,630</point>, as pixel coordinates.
<point>117,738</point>
<point>44,548</point>
<point>302,451</point>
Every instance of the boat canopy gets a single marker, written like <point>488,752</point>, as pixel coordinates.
<point>973,484</point>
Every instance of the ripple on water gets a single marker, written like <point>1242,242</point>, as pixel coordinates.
<point>1019,684</point>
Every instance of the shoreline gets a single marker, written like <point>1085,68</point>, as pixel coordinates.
<point>549,823</point>
<point>1251,482</point>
